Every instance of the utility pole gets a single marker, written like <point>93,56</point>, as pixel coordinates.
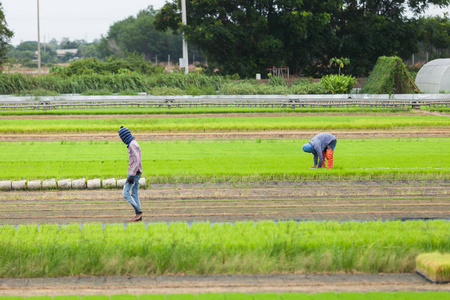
<point>185,45</point>
<point>39,40</point>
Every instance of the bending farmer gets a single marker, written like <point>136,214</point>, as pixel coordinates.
<point>134,172</point>
<point>322,146</point>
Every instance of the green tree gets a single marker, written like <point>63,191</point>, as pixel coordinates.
<point>89,50</point>
<point>66,43</point>
<point>138,34</point>
<point>5,36</point>
<point>340,63</point>
<point>435,35</point>
<point>27,46</point>
<point>247,36</point>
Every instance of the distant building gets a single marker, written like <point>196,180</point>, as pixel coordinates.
<point>62,52</point>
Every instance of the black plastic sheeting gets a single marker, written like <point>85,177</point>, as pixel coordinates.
<point>431,280</point>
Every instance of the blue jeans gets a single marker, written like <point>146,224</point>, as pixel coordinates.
<point>133,198</point>
<point>332,145</point>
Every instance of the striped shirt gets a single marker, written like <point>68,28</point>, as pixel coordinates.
<point>134,158</point>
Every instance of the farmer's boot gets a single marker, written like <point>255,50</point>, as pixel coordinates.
<point>330,153</point>
<point>324,155</point>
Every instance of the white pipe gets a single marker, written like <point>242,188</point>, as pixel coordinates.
<point>39,40</point>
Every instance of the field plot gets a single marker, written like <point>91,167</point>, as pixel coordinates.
<point>230,160</point>
<point>248,296</point>
<point>202,249</point>
<point>239,172</point>
<point>246,122</point>
<point>309,200</point>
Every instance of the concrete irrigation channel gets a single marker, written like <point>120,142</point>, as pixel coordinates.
<point>368,101</point>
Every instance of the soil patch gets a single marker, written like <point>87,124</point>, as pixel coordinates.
<point>278,283</point>
<point>333,200</point>
<point>269,135</point>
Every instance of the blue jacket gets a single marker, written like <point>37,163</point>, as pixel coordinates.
<point>320,142</point>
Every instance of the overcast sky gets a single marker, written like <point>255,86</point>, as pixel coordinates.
<point>77,19</point>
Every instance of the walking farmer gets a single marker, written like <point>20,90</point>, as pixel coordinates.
<point>322,146</point>
<point>131,188</point>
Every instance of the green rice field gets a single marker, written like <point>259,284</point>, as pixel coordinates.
<point>245,247</point>
<point>221,124</point>
<point>227,160</point>
<point>255,296</point>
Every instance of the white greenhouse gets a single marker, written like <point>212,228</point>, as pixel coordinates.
<point>434,76</point>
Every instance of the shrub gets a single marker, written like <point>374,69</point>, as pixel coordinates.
<point>276,81</point>
<point>238,88</point>
<point>164,90</point>
<point>251,87</point>
<point>338,84</point>
<point>304,87</point>
<point>113,65</point>
<point>58,70</point>
<point>205,90</point>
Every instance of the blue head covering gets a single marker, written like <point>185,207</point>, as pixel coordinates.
<point>308,148</point>
<point>125,135</point>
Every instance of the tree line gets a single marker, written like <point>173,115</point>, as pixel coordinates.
<point>135,34</point>
<point>249,36</point>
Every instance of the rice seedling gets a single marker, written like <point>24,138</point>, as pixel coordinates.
<point>436,266</point>
<point>222,124</point>
<point>227,160</point>
<point>245,247</point>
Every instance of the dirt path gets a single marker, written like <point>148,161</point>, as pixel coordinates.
<point>278,283</point>
<point>432,133</point>
<point>348,200</point>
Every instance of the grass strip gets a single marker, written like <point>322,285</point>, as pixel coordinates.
<point>180,297</point>
<point>435,266</point>
<point>230,160</point>
<point>124,297</point>
<point>95,297</point>
<point>210,296</point>
<point>152,297</point>
<point>269,296</point>
<point>221,124</point>
<point>243,248</point>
